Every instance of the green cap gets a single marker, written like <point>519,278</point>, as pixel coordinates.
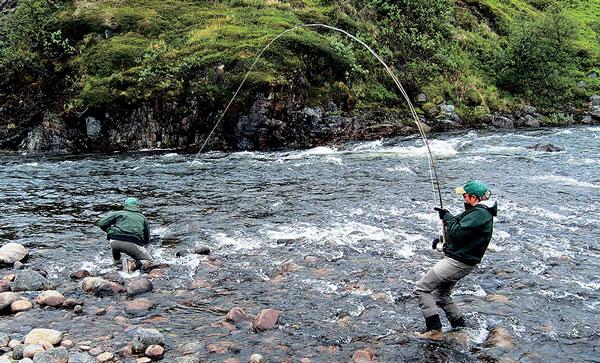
<point>131,201</point>
<point>474,187</point>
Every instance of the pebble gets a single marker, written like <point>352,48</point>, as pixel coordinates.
<point>265,320</point>
<point>67,344</point>
<point>95,351</point>
<point>105,357</point>
<point>143,360</point>
<point>154,351</point>
<point>20,305</point>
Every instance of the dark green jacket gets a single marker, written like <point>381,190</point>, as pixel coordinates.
<point>128,224</point>
<point>469,233</point>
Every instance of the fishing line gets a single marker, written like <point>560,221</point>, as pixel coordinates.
<point>433,175</point>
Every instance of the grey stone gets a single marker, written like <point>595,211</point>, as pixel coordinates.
<point>56,355</point>
<point>7,298</point>
<point>4,339</point>
<point>139,286</point>
<point>18,351</point>
<point>81,357</point>
<point>29,280</point>
<point>144,338</point>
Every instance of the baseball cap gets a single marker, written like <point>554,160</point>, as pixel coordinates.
<point>131,201</point>
<point>474,187</point>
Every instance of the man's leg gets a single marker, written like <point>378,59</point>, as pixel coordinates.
<point>451,273</point>
<point>427,302</point>
<point>137,252</point>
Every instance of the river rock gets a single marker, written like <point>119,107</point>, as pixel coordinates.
<point>41,335</point>
<point>144,338</point>
<point>30,350</point>
<point>499,337</point>
<point>502,122</point>
<point>12,252</point>
<point>4,286</point>
<point>18,351</point>
<point>363,356</point>
<point>256,358</point>
<point>100,287</point>
<point>81,357</point>
<point>4,339</point>
<point>139,286</point>
<point>138,307</point>
<point>29,280</point>
<point>50,298</point>
<point>79,274</point>
<point>546,147</point>
<point>105,357</point>
<point>201,250</point>
<point>265,320</point>
<point>20,305</point>
<point>71,303</point>
<point>154,351</point>
<point>237,315</point>
<point>143,360</point>
<point>56,355</point>
<point>7,298</point>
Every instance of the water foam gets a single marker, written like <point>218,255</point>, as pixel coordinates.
<point>563,180</point>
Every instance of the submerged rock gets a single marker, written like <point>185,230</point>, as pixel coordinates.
<point>265,320</point>
<point>12,252</point>
<point>499,337</point>
<point>29,280</point>
<point>546,147</point>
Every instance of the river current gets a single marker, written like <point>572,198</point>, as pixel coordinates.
<point>334,238</point>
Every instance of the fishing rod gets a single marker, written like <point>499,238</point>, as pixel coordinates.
<point>431,162</point>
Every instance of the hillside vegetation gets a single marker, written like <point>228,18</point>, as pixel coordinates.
<point>76,57</point>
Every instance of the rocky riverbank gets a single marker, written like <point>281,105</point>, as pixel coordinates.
<point>269,125</point>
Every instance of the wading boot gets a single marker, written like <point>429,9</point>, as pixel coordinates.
<point>128,265</point>
<point>458,323</point>
<point>434,329</point>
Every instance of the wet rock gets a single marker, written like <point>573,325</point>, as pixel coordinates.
<point>18,265</point>
<point>154,351</point>
<point>237,315</point>
<point>139,286</point>
<point>50,298</point>
<point>7,298</point>
<point>144,338</point>
<point>94,352</point>
<point>202,250</point>
<point>502,122</point>
<point>68,344</point>
<point>29,280</point>
<point>363,356</point>
<point>499,337</point>
<point>143,360</point>
<point>105,357</point>
<point>546,147</point>
<point>4,286</point>
<point>13,343</point>
<point>71,303</point>
<point>18,351</point>
<point>20,305</point>
<point>265,320</point>
<point>30,350</point>
<point>101,287</point>
<point>11,253</point>
<point>138,307</point>
<point>41,335</point>
<point>79,274</point>
<point>256,358</point>
<point>81,357</point>
<point>78,309</point>
<point>57,355</point>
<point>4,339</point>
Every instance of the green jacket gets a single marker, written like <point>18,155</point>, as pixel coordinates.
<point>469,233</point>
<point>128,224</point>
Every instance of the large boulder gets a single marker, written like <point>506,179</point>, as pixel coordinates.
<point>12,252</point>
<point>144,338</point>
<point>7,298</point>
<point>29,280</point>
<point>40,336</point>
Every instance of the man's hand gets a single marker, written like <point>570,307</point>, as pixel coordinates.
<point>434,243</point>
<point>441,212</point>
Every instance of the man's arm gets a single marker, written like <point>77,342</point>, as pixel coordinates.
<point>106,222</point>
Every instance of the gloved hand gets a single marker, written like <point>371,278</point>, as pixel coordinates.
<point>434,243</point>
<point>441,212</point>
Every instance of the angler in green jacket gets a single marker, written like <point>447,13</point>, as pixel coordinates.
<point>128,232</point>
<point>467,237</point>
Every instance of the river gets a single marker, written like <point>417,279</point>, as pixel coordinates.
<point>332,237</point>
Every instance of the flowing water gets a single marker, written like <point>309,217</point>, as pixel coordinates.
<point>332,237</point>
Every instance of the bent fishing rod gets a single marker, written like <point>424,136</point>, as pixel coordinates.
<point>431,162</point>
